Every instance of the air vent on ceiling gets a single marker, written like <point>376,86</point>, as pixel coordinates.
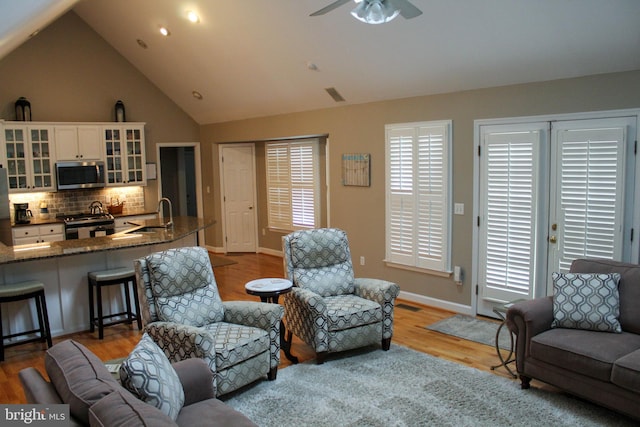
<point>334,94</point>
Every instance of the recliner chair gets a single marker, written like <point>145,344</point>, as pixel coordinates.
<point>328,308</point>
<point>183,313</point>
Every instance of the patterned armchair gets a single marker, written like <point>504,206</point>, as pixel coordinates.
<point>328,308</point>
<point>183,313</point>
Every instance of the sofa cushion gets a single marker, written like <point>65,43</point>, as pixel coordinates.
<point>236,343</point>
<point>202,413</point>
<point>587,353</point>
<point>120,408</point>
<point>350,311</point>
<point>148,374</point>
<point>80,378</point>
<point>586,301</point>
<point>184,287</point>
<point>629,287</point>
<point>626,372</point>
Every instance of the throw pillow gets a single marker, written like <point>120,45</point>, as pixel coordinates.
<point>586,301</point>
<point>148,374</point>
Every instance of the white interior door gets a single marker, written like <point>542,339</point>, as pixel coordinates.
<point>239,197</point>
<point>544,204</point>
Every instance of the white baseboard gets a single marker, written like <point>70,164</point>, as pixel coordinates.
<point>438,303</point>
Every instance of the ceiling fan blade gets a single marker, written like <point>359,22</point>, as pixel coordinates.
<point>329,8</point>
<point>407,10</point>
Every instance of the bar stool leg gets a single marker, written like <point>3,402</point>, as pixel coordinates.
<point>1,337</point>
<point>40,319</point>
<point>92,313</point>
<point>127,296</point>
<point>45,314</point>
<point>136,303</point>
<point>100,317</point>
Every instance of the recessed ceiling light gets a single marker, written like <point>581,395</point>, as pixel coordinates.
<point>165,31</point>
<point>142,44</point>
<point>197,95</point>
<point>193,17</point>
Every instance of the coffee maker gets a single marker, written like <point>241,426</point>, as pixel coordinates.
<point>22,213</point>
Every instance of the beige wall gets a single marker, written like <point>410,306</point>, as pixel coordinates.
<point>69,73</point>
<point>360,128</point>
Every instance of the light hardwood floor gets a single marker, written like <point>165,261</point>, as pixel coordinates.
<point>409,331</point>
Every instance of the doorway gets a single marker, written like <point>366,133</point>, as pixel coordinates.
<point>179,178</point>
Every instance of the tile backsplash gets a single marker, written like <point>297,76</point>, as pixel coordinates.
<point>78,201</point>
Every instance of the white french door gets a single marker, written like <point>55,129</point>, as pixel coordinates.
<point>550,192</point>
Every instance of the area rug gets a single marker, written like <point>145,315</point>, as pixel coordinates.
<point>218,261</point>
<point>403,387</point>
<point>472,329</point>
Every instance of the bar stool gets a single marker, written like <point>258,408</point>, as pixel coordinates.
<point>117,276</point>
<point>22,291</point>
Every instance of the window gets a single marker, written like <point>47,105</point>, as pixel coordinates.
<point>292,184</point>
<point>418,195</point>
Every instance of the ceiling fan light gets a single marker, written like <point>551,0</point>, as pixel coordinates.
<point>375,11</point>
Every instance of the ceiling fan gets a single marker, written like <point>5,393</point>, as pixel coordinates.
<point>375,11</point>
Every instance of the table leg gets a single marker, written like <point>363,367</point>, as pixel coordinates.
<point>285,342</point>
<point>504,362</point>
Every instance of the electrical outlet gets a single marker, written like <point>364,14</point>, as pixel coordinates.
<point>361,260</point>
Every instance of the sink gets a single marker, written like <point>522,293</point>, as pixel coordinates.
<point>148,229</point>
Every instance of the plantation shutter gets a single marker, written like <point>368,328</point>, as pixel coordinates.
<point>418,195</point>
<point>591,180</point>
<point>509,186</point>
<point>292,184</point>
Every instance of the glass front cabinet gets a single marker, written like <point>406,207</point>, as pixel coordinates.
<point>28,157</point>
<point>124,156</point>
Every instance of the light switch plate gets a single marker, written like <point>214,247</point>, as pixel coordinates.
<point>458,208</point>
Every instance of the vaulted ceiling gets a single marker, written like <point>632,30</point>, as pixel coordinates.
<point>254,58</point>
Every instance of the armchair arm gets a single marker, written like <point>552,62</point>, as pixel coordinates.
<point>36,388</point>
<point>306,314</point>
<point>259,315</point>
<point>180,342</point>
<point>526,319</point>
<point>196,379</point>
<point>385,294</point>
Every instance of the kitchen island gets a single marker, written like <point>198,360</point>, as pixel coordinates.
<point>63,267</point>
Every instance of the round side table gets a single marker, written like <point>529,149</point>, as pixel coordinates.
<point>269,290</point>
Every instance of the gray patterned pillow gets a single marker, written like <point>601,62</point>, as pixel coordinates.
<point>586,301</point>
<point>148,374</point>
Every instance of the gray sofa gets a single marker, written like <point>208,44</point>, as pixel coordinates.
<point>79,378</point>
<point>602,367</point>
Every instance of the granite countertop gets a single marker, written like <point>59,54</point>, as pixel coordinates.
<point>146,233</point>
<point>53,220</point>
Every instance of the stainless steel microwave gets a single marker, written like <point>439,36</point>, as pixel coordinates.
<point>74,175</point>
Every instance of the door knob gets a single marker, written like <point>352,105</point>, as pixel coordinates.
<point>552,239</point>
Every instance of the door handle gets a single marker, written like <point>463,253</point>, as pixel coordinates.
<point>552,239</point>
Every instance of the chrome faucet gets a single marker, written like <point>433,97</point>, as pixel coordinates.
<point>164,199</point>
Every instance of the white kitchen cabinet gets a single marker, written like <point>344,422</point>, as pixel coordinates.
<point>29,156</point>
<point>78,142</point>
<point>123,223</point>
<point>125,154</point>
<point>38,233</point>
